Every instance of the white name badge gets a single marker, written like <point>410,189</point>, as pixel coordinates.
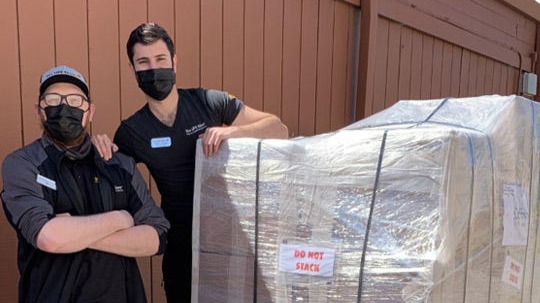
<point>161,142</point>
<point>46,182</point>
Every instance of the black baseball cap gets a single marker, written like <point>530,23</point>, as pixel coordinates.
<point>62,73</point>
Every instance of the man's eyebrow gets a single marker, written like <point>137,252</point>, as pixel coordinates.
<point>141,59</point>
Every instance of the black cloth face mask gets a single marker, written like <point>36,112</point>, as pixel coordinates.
<point>64,123</point>
<point>156,83</point>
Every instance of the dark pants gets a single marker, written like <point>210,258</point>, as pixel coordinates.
<point>177,263</point>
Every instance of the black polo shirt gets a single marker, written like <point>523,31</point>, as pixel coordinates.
<point>169,152</point>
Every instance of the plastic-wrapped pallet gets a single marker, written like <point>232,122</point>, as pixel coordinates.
<point>427,201</point>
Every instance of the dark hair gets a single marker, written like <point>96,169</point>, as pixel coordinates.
<point>148,33</point>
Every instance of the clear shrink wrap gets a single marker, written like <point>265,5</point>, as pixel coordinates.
<point>426,201</point>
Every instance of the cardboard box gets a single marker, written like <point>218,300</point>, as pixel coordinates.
<point>427,201</point>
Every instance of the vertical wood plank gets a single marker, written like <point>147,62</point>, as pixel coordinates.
<point>437,69</point>
<point>352,65</point>
<point>132,13</point>
<point>481,75</point>
<point>456,71</point>
<point>427,67</point>
<point>464,73</point>
<point>34,63</point>
<point>416,65</point>
<point>233,47</point>
<point>368,50</point>
<point>10,84</point>
<point>473,75</point>
<point>70,23</point>
<point>338,118</point>
<point>488,84</point>
<point>536,67</point>
<point>162,13</point>
<point>104,64</point>
<point>308,68</point>
<point>446,70</point>
<point>392,76</point>
<point>404,84</point>
<point>211,44</point>
<point>324,65</point>
<point>509,80</point>
<point>292,33</point>
<point>11,133</point>
<point>381,66</point>
<point>513,81</point>
<point>273,56</point>
<point>254,53</point>
<point>504,80</point>
<point>187,42</point>
<point>509,77</point>
<point>496,78</point>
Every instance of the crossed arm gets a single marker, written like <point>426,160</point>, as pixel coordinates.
<point>112,232</point>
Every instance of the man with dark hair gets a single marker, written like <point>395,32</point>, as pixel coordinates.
<point>163,135</point>
<point>80,221</point>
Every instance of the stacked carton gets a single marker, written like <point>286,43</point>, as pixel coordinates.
<point>427,201</point>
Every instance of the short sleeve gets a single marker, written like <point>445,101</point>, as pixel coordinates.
<point>224,105</point>
<point>123,139</point>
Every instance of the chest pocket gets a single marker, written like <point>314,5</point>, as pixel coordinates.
<point>61,200</point>
<point>112,196</point>
<point>114,190</point>
<point>119,197</point>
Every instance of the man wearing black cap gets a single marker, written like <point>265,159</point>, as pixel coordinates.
<point>80,221</point>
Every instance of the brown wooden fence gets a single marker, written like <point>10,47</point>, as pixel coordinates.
<point>318,64</point>
<point>421,49</point>
<point>293,58</point>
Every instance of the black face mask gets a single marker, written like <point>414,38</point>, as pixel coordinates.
<point>156,83</point>
<point>64,123</point>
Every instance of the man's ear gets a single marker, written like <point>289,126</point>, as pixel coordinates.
<point>174,63</point>
<point>133,72</point>
<point>91,111</point>
<point>38,110</point>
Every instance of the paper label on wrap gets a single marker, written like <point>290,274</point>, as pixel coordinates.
<point>512,272</point>
<point>516,215</point>
<point>306,260</point>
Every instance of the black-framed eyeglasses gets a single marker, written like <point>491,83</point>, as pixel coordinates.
<point>54,99</point>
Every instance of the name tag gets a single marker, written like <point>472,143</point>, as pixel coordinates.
<point>161,142</point>
<point>46,182</point>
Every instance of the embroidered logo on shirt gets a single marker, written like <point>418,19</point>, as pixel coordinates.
<point>195,129</point>
<point>118,189</point>
<point>46,182</point>
<point>161,142</point>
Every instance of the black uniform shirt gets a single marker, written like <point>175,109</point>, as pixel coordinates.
<point>169,152</point>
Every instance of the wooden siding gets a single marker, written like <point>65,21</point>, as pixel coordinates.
<point>303,60</point>
<point>420,66</point>
<point>424,49</point>
<point>293,58</point>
